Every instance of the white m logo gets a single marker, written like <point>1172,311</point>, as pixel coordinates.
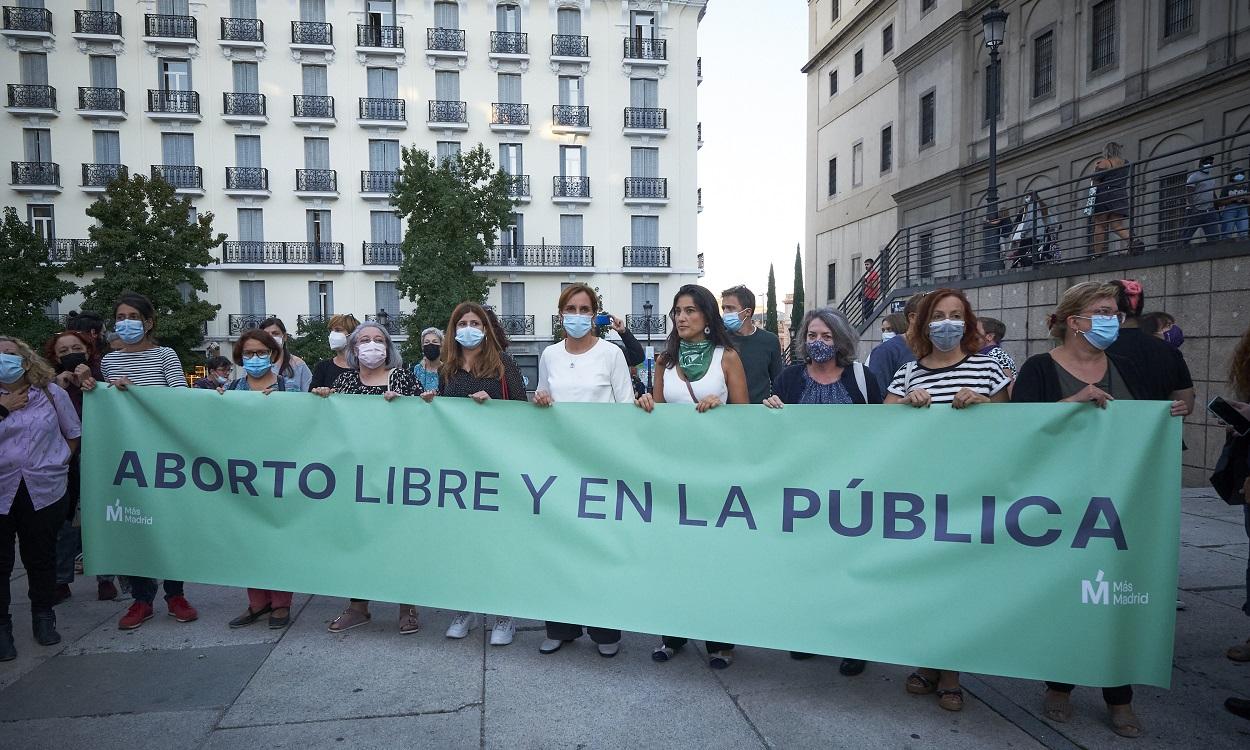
<point>1095,595</point>
<point>113,512</point>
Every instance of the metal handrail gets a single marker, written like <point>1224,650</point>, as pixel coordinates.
<point>313,105</point>
<point>541,256</point>
<point>509,43</point>
<point>102,22</point>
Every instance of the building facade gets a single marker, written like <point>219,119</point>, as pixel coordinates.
<point>285,119</point>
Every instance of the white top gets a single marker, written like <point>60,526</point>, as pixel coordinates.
<point>976,371</point>
<point>596,376</point>
<point>711,384</point>
<point>156,366</point>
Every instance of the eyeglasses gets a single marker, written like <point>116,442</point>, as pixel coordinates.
<point>1118,315</point>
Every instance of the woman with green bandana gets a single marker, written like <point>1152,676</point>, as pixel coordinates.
<point>699,366</point>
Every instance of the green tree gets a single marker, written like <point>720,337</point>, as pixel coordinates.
<point>770,313</point>
<point>147,240</point>
<point>311,341</point>
<point>454,211</point>
<point>796,309</point>
<point>30,282</point>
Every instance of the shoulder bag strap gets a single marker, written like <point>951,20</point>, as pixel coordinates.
<point>860,380</point>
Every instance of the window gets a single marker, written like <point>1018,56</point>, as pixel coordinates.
<point>382,83</point>
<point>102,70</point>
<point>39,216</point>
<point>925,253</point>
<point>859,63</point>
<point>251,225</point>
<point>509,88</point>
<point>313,11</point>
<point>512,294</point>
<point>887,39</point>
<point>386,297</point>
<point>37,144</point>
<point>243,8</point>
<point>857,164</point>
<point>569,22</point>
<point>833,176</point>
<point>252,298</point>
<point>644,231</point>
<point>644,93</point>
<point>833,82</point>
<point>246,78</point>
<point>1178,17</point>
<point>315,80</point>
<point>247,151</point>
<point>321,298</point>
<point>317,226</point>
<point>32,68</point>
<point>572,163</point>
<point>644,162</point>
<point>571,230</point>
<point>508,18</point>
<point>446,15</point>
<point>106,146</point>
<point>175,75</point>
<point>927,5</point>
<point>642,24</point>
<point>316,153</point>
<point>993,104</point>
<point>447,151</point>
<point>447,85</point>
<point>571,92</point>
<point>1105,36</point>
<point>380,13</point>
<point>831,281</point>
<point>1043,64</point>
<point>836,8</point>
<point>383,155</point>
<point>887,148</point>
<point>643,293</point>
<point>385,227</point>
<point>178,149</point>
<point>928,119</point>
<point>513,235</point>
<point>511,158</point>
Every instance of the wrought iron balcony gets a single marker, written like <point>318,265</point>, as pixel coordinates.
<point>242,30</point>
<point>570,116</point>
<point>386,37</point>
<point>643,256</point>
<point>103,23</point>
<point>36,173</point>
<point>243,105</point>
<point>378,181</point>
<point>570,187</point>
<point>247,178</point>
<point>393,110</point>
<point>517,325</point>
<point>646,118</point>
<point>646,187</point>
<point>312,33</point>
<point>100,175</point>
<point>62,250</point>
<point>444,111</point>
<point>240,322</point>
<point>31,96</point>
<point>320,107</point>
<point>647,325</point>
<point>646,49</point>
<point>569,45</point>
<point>97,99</point>
<point>518,186</point>
<point>304,320</point>
<point>382,253</point>
<point>316,181</point>
<point>509,113</point>
<point>173,102</point>
<point>444,40</point>
<point>169,27</point>
<point>542,256</point>
<point>292,253</point>
<point>509,43</point>
<point>27,19</point>
<point>395,324</point>
<point>180,175</point>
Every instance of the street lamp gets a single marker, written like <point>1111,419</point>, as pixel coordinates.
<point>994,24</point>
<point>646,313</point>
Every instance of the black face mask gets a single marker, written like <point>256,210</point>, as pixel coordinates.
<point>71,361</point>
<point>431,351</point>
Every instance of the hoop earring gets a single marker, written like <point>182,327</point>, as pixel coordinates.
<point>707,330</point>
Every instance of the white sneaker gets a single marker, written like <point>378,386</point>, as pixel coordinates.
<point>460,626</point>
<point>608,650</point>
<point>501,634</point>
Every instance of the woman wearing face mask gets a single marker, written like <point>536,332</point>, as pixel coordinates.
<point>1234,205</point>
<point>328,370</point>
<point>894,324</point>
<point>426,371</point>
<point>581,369</point>
<point>699,366</point>
<point>288,365</point>
<point>39,431</point>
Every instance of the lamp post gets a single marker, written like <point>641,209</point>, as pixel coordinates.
<point>646,313</point>
<point>994,25</point>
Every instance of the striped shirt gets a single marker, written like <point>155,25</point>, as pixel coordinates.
<point>976,371</point>
<point>156,366</point>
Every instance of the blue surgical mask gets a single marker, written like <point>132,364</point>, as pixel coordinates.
<point>470,337</point>
<point>733,321</point>
<point>576,326</point>
<point>1238,177</point>
<point>130,331</point>
<point>946,334</point>
<point>819,351</point>
<point>1103,330</point>
<point>11,368</point>
<point>887,335</point>
<point>222,380</point>
<point>258,366</point>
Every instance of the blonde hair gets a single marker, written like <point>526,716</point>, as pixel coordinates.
<point>38,372</point>
<point>346,321</point>
<point>1074,301</point>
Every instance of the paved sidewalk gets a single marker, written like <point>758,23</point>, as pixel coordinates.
<point>204,686</point>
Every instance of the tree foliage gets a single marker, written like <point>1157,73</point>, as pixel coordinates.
<point>770,313</point>
<point>311,341</point>
<point>145,241</point>
<point>796,309</point>
<point>29,282</point>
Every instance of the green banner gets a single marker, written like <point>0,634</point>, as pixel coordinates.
<point>1035,541</point>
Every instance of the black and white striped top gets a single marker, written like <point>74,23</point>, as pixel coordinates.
<point>976,371</point>
<point>156,366</point>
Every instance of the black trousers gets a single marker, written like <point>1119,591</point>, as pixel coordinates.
<point>1114,696</point>
<point>36,540</point>
<point>563,631</point>
<point>712,646</point>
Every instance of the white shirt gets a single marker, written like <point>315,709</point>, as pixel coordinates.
<point>711,384</point>
<point>597,376</point>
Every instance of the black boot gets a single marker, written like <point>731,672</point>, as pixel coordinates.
<point>44,626</point>
<point>8,652</point>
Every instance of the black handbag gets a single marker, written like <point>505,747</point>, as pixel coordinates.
<point>1232,469</point>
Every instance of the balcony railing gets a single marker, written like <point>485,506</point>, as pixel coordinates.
<point>570,115</point>
<point>541,256</point>
<point>570,187</point>
<point>97,99</point>
<point>647,325</point>
<point>36,173</point>
<point>100,175</point>
<point>395,324</point>
<point>646,187</point>
<point>242,30</point>
<point>649,118</point>
<point>312,32</point>
<point>247,178</point>
<point>387,37</point>
<point>393,110</point>
<point>240,322</point>
<point>173,102</point>
<point>243,104</point>
<point>316,181</point>
<point>296,253</point>
<point>62,250</point>
<point>517,325</point>
<point>642,256</point>
<point>444,40</point>
<point>104,23</point>
<point>444,111</point>
<point>509,113</point>
<point>180,175</point>
<point>569,45</point>
<point>382,253</point>
<point>169,27</point>
<point>31,96</point>
<point>698,68</point>
<point>321,107</point>
<point>378,181</point>
<point>27,19</point>
<point>518,186</point>
<point>646,49</point>
<point>509,43</point>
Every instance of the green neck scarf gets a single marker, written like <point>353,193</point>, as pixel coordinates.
<point>694,358</point>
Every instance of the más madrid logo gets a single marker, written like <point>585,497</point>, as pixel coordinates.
<point>1109,593</point>
<point>118,513</point>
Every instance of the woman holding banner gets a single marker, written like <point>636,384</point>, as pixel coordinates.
<point>581,369</point>
<point>288,365</point>
<point>699,366</point>
<point>328,370</point>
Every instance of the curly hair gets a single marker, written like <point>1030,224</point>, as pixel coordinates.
<point>38,372</point>
<point>1239,368</point>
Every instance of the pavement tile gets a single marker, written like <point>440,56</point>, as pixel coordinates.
<point>117,732</point>
<point>459,730</point>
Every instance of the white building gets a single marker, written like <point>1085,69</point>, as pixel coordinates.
<point>285,119</point>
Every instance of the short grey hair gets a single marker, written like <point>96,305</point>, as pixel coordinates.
<point>845,340</point>
<point>393,358</point>
<point>436,331</point>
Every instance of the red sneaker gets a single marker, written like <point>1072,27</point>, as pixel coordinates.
<point>181,610</point>
<point>139,613</point>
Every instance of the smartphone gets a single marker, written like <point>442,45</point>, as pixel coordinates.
<point>603,319</point>
<point>1229,415</point>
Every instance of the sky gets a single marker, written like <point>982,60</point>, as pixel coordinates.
<point>753,105</point>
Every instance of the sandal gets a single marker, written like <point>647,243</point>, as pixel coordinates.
<point>1056,709</point>
<point>951,699</point>
<point>918,684</point>
<point>1240,652</point>
<point>249,617</point>
<point>349,619</point>
<point>720,659</point>
<point>408,619</point>
<point>1126,723</point>
<point>663,653</point>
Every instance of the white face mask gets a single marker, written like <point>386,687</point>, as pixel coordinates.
<point>371,353</point>
<point>338,340</point>
<point>278,340</point>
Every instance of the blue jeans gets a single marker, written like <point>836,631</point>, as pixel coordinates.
<point>1235,220</point>
<point>144,589</point>
<point>1207,220</point>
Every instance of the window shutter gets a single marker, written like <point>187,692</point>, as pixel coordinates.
<point>103,71</point>
<point>107,147</point>
<point>312,10</point>
<point>569,22</point>
<point>447,15</point>
<point>316,153</point>
<point>246,78</point>
<point>315,80</point>
<point>571,230</point>
<point>243,8</point>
